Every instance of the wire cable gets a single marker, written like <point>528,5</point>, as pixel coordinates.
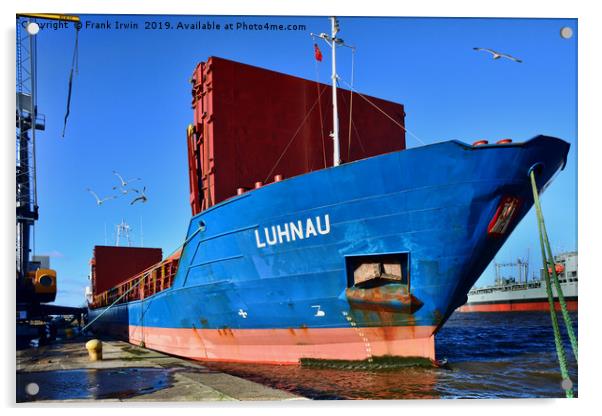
<point>320,112</point>
<point>351,103</point>
<point>74,67</point>
<point>384,112</point>
<point>294,135</point>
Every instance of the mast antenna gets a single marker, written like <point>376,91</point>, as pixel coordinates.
<point>333,41</point>
<point>123,229</point>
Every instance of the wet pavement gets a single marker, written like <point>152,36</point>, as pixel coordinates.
<point>91,384</point>
<point>62,372</point>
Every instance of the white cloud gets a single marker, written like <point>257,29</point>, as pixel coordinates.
<point>52,254</point>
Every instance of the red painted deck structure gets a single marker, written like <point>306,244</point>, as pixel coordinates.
<point>112,265</point>
<point>251,124</point>
<point>134,271</point>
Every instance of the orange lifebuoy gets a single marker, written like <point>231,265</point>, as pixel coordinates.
<point>480,142</point>
<point>558,267</point>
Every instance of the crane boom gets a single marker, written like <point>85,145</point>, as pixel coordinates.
<point>50,16</point>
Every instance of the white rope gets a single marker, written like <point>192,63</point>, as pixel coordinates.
<point>139,280</point>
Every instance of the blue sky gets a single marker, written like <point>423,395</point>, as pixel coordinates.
<point>131,105</point>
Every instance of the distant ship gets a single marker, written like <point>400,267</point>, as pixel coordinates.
<point>294,254</point>
<point>520,294</point>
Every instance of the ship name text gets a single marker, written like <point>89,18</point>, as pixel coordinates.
<point>292,231</point>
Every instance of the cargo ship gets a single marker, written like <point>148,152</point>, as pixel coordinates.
<point>519,294</point>
<point>315,233</point>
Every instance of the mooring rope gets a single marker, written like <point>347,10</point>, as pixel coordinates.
<point>563,308</point>
<point>567,384</point>
<point>181,246</point>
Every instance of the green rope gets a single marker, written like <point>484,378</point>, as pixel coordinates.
<point>565,313</point>
<point>557,337</point>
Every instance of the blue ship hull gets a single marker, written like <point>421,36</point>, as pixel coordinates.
<point>269,276</point>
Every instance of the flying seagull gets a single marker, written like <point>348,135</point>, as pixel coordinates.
<point>124,191</point>
<point>498,55</point>
<point>124,183</point>
<point>142,196</point>
<point>99,201</point>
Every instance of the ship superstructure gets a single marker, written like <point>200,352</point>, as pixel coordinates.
<point>521,294</point>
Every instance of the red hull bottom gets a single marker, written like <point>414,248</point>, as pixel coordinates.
<point>287,346</point>
<point>517,307</point>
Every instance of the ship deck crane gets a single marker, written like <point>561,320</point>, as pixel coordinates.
<point>522,268</point>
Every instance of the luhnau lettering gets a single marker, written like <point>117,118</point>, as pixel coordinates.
<point>292,231</point>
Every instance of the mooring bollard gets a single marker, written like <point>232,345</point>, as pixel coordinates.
<point>94,348</point>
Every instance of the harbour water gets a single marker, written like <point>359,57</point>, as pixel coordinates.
<point>489,355</point>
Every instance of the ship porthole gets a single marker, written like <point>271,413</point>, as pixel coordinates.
<point>202,225</point>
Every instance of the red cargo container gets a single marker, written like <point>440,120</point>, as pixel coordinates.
<point>112,265</point>
<point>251,124</point>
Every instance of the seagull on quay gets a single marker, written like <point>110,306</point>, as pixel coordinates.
<point>498,55</point>
<point>142,196</point>
<point>100,201</point>
<point>124,183</point>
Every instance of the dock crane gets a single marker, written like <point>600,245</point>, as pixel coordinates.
<point>35,284</point>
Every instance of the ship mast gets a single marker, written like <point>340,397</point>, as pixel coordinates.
<point>332,41</point>
<point>335,112</point>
